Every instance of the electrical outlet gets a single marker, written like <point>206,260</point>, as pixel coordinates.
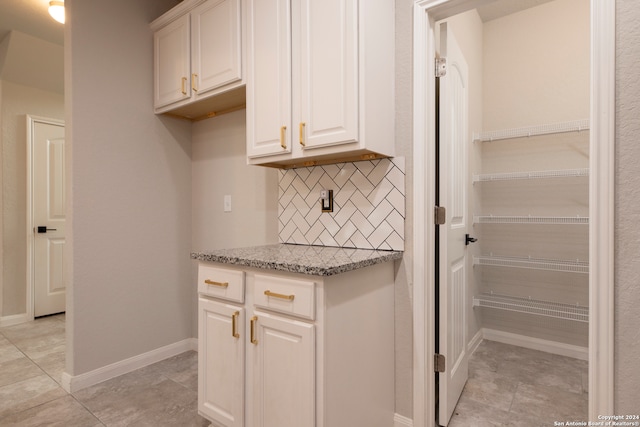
<point>227,203</point>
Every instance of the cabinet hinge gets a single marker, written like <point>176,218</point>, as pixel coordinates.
<point>441,67</point>
<point>439,215</point>
<point>439,362</point>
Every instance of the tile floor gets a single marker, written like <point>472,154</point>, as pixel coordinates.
<point>507,386</point>
<point>31,365</point>
<point>515,386</point>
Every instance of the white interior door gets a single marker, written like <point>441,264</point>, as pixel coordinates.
<point>48,210</point>
<point>453,143</point>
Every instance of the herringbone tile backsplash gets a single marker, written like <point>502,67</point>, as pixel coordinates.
<point>368,210</point>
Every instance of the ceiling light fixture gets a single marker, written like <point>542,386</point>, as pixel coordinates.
<point>56,10</point>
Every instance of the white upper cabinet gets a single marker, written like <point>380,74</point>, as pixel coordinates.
<point>198,61</point>
<point>320,81</point>
<point>172,62</point>
<point>269,96</point>
<point>328,64</point>
<point>215,45</point>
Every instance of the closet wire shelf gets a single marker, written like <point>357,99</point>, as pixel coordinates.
<point>529,131</point>
<point>529,219</point>
<point>530,306</point>
<point>512,176</point>
<point>571,266</point>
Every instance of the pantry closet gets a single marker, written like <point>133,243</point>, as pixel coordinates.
<point>528,186</point>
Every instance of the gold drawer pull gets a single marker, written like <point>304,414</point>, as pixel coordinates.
<point>254,320</point>
<point>194,81</point>
<point>182,85</point>
<point>302,124</point>
<point>221,284</point>
<point>281,296</point>
<point>234,324</point>
<point>283,134</point>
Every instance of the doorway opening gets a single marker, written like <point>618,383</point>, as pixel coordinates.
<point>599,267</point>
<point>46,217</point>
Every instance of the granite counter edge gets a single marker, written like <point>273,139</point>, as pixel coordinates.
<point>297,268</point>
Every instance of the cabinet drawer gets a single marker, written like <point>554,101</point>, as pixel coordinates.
<point>221,283</point>
<point>295,297</point>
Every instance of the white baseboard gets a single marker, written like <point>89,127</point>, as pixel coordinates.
<point>15,319</point>
<point>73,383</point>
<point>553,347</point>
<point>474,342</point>
<point>193,344</point>
<point>402,421</point>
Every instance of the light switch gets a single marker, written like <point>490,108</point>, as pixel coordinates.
<point>227,203</point>
<point>326,200</point>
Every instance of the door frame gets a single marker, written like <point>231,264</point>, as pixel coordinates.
<point>31,121</point>
<point>601,204</point>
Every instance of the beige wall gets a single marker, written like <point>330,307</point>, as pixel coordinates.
<point>530,81</point>
<point>220,168</point>
<point>627,211</point>
<point>129,177</point>
<point>557,74</point>
<point>131,147</point>
<point>16,102</point>
<point>404,147</point>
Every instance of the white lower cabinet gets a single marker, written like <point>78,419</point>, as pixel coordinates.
<point>282,368</point>
<point>221,358</point>
<point>300,351</point>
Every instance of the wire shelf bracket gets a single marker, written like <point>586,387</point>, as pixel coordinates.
<point>570,266</point>
<point>512,176</point>
<point>530,219</point>
<point>529,131</point>
<point>530,306</point>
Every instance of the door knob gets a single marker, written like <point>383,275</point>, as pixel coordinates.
<point>44,229</point>
<point>468,239</point>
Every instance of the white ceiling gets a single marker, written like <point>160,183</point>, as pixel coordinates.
<point>31,45</point>
<point>500,8</point>
<point>38,60</point>
<point>30,17</point>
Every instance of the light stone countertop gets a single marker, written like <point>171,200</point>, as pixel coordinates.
<point>312,260</point>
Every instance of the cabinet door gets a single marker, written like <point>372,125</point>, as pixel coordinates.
<point>328,56</point>
<point>172,63</point>
<point>216,44</point>
<point>269,78</point>
<point>221,348</point>
<point>282,372</point>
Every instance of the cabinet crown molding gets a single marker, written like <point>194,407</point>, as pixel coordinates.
<point>174,13</point>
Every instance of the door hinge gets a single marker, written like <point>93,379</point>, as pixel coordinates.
<point>441,67</point>
<point>439,215</point>
<point>439,362</point>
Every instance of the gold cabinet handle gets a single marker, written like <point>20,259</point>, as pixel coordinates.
<point>281,296</point>
<point>183,85</point>
<point>283,135</point>
<point>254,320</point>
<point>234,324</point>
<point>302,125</point>
<point>194,80</point>
<point>220,284</point>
